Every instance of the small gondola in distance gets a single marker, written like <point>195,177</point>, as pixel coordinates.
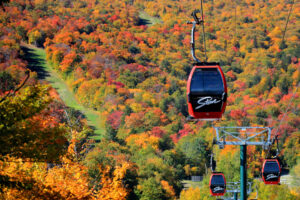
<point>206,91</point>
<point>217,184</point>
<point>271,171</point>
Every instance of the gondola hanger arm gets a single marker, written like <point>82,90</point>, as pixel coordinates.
<point>196,21</point>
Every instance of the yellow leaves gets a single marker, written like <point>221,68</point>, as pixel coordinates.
<point>187,170</point>
<point>148,97</point>
<point>78,82</point>
<point>275,33</point>
<point>39,2</point>
<point>190,194</point>
<point>136,107</point>
<point>218,56</point>
<point>16,171</point>
<point>33,36</point>
<point>36,34</point>
<point>166,17</point>
<point>296,76</point>
<point>295,192</point>
<point>275,92</point>
<point>261,87</point>
<point>142,141</point>
<point>293,38</point>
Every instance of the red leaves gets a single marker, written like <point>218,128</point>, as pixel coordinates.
<point>235,49</point>
<point>114,119</point>
<point>113,18</point>
<point>238,114</point>
<point>187,129</point>
<point>231,75</point>
<point>157,132</point>
<point>135,67</point>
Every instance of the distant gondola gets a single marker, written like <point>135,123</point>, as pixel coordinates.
<point>206,91</point>
<point>271,171</point>
<point>217,184</point>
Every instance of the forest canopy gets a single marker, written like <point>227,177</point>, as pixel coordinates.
<point>128,62</point>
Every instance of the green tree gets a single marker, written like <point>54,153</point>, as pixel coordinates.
<point>151,189</point>
<point>24,131</point>
<point>134,50</point>
<point>228,162</point>
<point>284,83</point>
<point>110,132</point>
<point>7,82</point>
<point>195,149</point>
<point>131,79</point>
<point>291,149</point>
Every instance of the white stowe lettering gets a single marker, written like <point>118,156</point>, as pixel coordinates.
<point>206,101</point>
<point>218,188</point>
<point>270,176</point>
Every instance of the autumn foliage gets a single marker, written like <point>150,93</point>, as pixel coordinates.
<point>133,69</point>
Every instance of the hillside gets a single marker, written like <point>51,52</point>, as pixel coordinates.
<point>129,61</point>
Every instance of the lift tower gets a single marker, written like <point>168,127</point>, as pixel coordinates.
<point>243,136</point>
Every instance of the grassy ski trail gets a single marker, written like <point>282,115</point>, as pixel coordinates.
<point>36,58</point>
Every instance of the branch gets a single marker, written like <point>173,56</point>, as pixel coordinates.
<point>17,89</point>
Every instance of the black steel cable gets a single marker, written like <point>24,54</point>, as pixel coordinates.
<point>287,21</point>
<point>203,36</point>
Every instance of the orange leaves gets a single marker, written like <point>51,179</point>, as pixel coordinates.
<point>275,34</point>
<point>112,186</point>
<point>65,181</point>
<point>69,180</point>
<point>67,38</point>
<point>69,61</point>
<point>169,189</point>
<point>238,114</point>
<point>228,150</point>
<point>151,41</point>
<point>134,120</point>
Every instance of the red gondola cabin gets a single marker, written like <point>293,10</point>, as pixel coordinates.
<point>206,91</point>
<point>217,184</point>
<point>271,171</point>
